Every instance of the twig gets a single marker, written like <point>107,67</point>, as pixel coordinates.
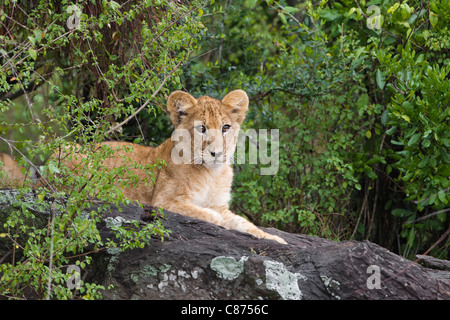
<point>50,264</point>
<point>429,215</point>
<point>360,213</point>
<point>362,12</point>
<point>426,199</point>
<point>412,263</point>
<point>134,114</point>
<point>143,106</point>
<point>441,238</point>
<point>289,14</point>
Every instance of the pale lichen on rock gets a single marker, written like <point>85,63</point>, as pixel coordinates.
<point>331,286</point>
<point>227,267</point>
<point>283,281</point>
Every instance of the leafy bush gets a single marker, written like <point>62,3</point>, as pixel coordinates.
<point>361,101</point>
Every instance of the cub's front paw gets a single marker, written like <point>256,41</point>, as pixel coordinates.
<point>274,237</point>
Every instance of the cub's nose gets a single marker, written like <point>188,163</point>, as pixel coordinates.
<point>216,154</point>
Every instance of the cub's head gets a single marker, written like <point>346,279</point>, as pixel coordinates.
<point>206,129</point>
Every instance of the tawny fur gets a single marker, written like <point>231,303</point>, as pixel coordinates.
<point>14,177</point>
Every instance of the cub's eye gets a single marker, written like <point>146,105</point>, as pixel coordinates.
<point>201,129</point>
<point>226,128</point>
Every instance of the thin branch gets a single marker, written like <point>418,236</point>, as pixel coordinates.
<point>145,104</point>
<point>362,12</point>
<point>282,8</point>
<point>134,114</point>
<point>426,199</point>
<point>429,215</point>
<point>441,238</point>
<point>50,265</point>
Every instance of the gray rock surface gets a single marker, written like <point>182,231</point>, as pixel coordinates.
<point>200,260</point>
<point>203,261</point>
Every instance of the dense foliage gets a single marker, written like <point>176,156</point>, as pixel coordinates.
<point>359,91</point>
<point>74,73</point>
<point>361,98</point>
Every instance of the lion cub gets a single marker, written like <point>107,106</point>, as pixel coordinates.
<point>196,180</point>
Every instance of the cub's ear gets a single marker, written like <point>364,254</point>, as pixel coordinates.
<point>178,105</point>
<point>237,102</point>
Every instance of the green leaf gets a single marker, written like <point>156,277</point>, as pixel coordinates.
<point>363,101</point>
<point>408,32</point>
<point>32,53</point>
<point>53,169</point>
<point>291,9</point>
<point>32,40</point>
<point>414,139</point>
<point>390,131</point>
<point>397,143</point>
<point>371,174</point>
<point>442,196</point>
<point>282,17</point>
<point>423,162</point>
<point>408,176</point>
<point>426,143</point>
<point>37,35</point>
<point>444,171</point>
<point>351,11</point>
<point>408,107</point>
<point>380,79</point>
<point>393,8</point>
<point>330,15</point>
<point>114,5</point>
<point>401,213</point>
<point>433,19</point>
<point>434,7</point>
<point>405,11</point>
<point>385,117</point>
